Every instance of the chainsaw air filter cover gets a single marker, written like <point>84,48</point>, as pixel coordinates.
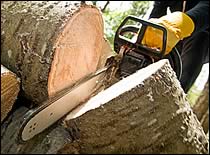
<point>129,35</point>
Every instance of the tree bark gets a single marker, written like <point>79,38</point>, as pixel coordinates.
<point>47,142</point>
<point>50,45</point>
<point>201,107</point>
<point>205,121</point>
<point>146,112</point>
<point>10,86</point>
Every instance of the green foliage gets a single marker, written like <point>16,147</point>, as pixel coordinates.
<point>114,18</point>
<point>193,95</point>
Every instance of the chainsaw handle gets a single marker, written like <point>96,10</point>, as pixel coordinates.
<point>120,41</point>
<point>129,28</point>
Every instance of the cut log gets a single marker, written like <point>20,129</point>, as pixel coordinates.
<point>50,45</point>
<point>146,112</point>
<point>10,86</point>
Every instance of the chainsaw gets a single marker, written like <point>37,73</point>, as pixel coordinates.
<point>130,56</point>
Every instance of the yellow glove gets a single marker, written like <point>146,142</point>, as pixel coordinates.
<point>178,26</point>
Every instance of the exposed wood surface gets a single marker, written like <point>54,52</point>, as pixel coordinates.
<point>50,44</point>
<point>10,86</point>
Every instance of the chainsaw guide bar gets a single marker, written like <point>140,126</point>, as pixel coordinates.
<point>37,120</point>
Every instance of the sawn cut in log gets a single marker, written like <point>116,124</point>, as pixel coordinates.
<point>147,112</point>
<point>10,86</point>
<point>51,44</point>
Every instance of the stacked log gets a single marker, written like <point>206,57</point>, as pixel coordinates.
<point>50,45</point>
<point>10,86</point>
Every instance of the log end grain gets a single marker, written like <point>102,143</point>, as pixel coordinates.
<point>9,91</point>
<point>78,49</point>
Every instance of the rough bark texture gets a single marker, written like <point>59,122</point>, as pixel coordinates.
<point>39,38</point>
<point>201,107</point>
<point>205,121</point>
<point>10,86</point>
<point>152,117</point>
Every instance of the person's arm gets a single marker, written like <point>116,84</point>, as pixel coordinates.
<point>179,25</point>
<point>200,16</point>
<point>159,9</point>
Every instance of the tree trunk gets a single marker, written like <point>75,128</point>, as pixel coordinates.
<point>51,44</point>
<point>201,107</point>
<point>205,121</point>
<point>146,112</point>
<point>10,84</point>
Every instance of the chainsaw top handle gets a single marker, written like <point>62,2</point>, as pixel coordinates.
<point>121,40</point>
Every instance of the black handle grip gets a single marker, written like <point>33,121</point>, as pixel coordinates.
<point>120,41</point>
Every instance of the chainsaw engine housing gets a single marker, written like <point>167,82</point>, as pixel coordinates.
<point>129,35</point>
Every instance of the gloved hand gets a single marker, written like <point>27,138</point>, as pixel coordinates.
<point>178,26</point>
